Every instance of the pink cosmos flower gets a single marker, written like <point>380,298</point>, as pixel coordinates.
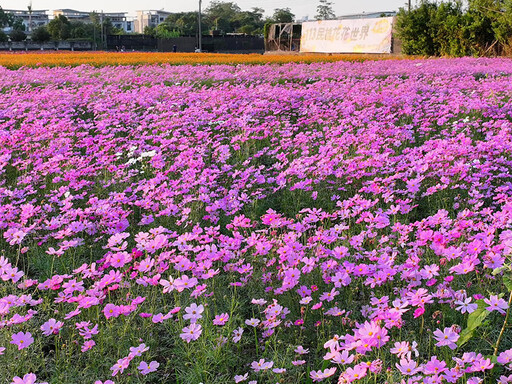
<point>184,282</point>
<point>408,367</point>
<point>88,345</point>
<point>261,365</point>
<point>192,332</point>
<point>355,373</point>
<point>221,319</point>
<point>193,312</point>
<point>447,337</point>
<point>496,304</point>
<point>300,350</point>
<point>237,334</point>
<point>252,322</point>
<point>51,326</point>
<point>29,378</point>
<point>466,306</point>
<point>22,340</point>
<point>505,357</point>
<point>146,368</point>
<point>240,378</point>
<point>111,310</point>
<point>320,375</point>
<point>120,366</point>
<point>138,351</point>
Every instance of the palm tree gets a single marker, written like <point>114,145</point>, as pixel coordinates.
<point>30,17</point>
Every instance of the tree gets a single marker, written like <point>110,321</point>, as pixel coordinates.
<point>249,22</point>
<point>18,35</point>
<point>80,30</point>
<point>223,16</point>
<point>184,23</point>
<point>59,28</point>
<point>41,35</point>
<point>3,37</point>
<point>283,15</point>
<point>324,11</point>
<point>415,30</point>
<point>150,31</point>
<point>164,31</point>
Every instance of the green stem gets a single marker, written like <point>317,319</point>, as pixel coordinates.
<point>504,326</point>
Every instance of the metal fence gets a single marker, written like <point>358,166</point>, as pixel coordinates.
<point>234,44</point>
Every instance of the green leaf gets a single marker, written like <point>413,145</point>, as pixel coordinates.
<point>499,270</point>
<point>475,319</point>
<point>507,280</point>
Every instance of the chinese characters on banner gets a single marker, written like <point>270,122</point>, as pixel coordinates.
<point>347,36</point>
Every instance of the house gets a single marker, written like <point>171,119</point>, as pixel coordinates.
<point>150,18</point>
<point>31,19</point>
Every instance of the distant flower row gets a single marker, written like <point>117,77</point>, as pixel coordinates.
<point>101,59</point>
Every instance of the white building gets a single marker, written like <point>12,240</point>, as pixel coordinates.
<point>118,19</point>
<point>73,15</point>
<point>31,20</point>
<point>149,18</point>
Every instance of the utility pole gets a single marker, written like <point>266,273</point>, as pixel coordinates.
<point>409,5</point>
<point>101,23</point>
<point>200,31</point>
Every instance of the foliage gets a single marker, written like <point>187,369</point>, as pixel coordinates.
<point>324,10</point>
<point>415,30</point>
<point>150,31</point>
<point>18,35</point>
<point>59,28</point>
<point>40,35</point>
<point>283,15</point>
<point>224,17</point>
<point>3,37</point>
<point>4,18</point>
<point>482,27</point>
<point>185,23</point>
<point>163,32</point>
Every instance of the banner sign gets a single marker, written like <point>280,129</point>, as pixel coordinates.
<point>347,36</point>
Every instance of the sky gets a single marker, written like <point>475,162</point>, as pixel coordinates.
<point>300,8</point>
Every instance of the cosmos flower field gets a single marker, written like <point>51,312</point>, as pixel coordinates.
<point>296,223</point>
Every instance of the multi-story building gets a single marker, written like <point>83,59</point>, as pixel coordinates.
<point>150,18</point>
<point>31,19</point>
<point>73,15</point>
<point>118,19</point>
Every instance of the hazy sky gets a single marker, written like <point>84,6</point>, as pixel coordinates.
<point>299,7</point>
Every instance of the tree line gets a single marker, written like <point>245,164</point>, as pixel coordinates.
<point>456,28</point>
<point>220,17</point>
